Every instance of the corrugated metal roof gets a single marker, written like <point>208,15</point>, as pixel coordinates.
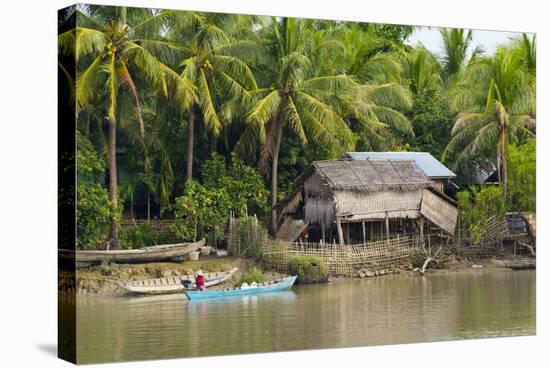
<point>429,164</point>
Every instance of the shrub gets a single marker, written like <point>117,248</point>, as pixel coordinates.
<point>309,269</point>
<point>107,269</point>
<point>144,235</point>
<point>93,215</point>
<point>200,211</point>
<point>93,208</point>
<point>522,177</point>
<point>476,209</point>
<point>254,275</point>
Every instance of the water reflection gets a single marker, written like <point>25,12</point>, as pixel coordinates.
<point>386,310</point>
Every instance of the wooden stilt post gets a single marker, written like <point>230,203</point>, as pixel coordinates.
<point>340,232</point>
<point>364,231</point>
<point>323,232</point>
<point>387,227</point>
<point>346,235</point>
<point>422,231</point>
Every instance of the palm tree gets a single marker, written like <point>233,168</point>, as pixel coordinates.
<point>496,104</point>
<point>293,98</point>
<point>110,54</point>
<point>421,69</point>
<point>454,61</point>
<point>528,48</point>
<point>374,111</point>
<point>212,64</point>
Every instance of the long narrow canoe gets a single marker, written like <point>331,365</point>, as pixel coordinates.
<point>168,285</point>
<point>267,287</point>
<point>147,254</point>
<point>520,264</point>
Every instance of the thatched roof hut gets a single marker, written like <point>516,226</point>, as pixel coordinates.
<point>346,191</point>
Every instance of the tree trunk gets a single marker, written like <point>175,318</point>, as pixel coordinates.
<point>190,139</point>
<point>113,186</point>
<point>274,166</point>
<point>503,163</point>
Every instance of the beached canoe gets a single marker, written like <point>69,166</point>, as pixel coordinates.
<point>154,253</point>
<point>267,287</point>
<point>520,264</point>
<point>174,284</point>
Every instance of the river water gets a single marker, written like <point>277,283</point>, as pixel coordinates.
<point>385,310</point>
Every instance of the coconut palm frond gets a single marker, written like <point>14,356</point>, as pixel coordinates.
<point>127,81</point>
<point>394,119</point>
<point>292,117</point>
<point>87,83</point>
<point>265,108</point>
<point>206,103</point>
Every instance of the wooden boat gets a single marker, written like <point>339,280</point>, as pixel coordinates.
<point>174,284</point>
<point>147,254</point>
<point>520,264</point>
<point>266,287</point>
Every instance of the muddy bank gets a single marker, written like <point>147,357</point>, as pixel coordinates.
<point>103,279</point>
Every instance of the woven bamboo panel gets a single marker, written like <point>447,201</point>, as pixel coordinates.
<point>439,211</point>
<point>342,260</point>
<point>375,205</point>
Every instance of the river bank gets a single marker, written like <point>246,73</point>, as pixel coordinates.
<point>103,279</point>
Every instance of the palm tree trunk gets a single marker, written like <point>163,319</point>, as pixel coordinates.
<point>113,186</point>
<point>503,163</point>
<point>190,139</point>
<point>274,166</point>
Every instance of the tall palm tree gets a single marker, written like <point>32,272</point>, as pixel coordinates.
<point>293,99</point>
<point>112,46</point>
<point>374,111</point>
<point>210,60</point>
<point>496,104</point>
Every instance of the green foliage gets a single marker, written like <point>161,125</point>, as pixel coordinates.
<point>244,186</point>
<point>522,179</point>
<point>309,269</point>
<point>200,210</point>
<point>88,163</point>
<point>107,269</point>
<point>477,207</point>
<point>93,213</point>
<point>144,235</point>
<point>329,86</point>
<point>253,275</point>
<point>93,208</point>
<point>432,123</point>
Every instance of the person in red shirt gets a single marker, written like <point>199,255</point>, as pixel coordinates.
<point>199,281</point>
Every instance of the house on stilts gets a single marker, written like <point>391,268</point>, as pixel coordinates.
<point>357,201</point>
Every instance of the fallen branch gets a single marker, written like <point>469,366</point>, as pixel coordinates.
<point>530,248</point>
<point>428,261</point>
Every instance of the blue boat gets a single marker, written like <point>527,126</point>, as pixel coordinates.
<point>266,287</point>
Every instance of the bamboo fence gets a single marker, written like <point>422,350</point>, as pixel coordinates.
<point>342,260</point>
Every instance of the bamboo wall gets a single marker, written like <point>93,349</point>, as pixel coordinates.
<point>377,205</point>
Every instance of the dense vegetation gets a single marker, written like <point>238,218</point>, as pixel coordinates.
<point>309,269</point>
<point>189,115</point>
